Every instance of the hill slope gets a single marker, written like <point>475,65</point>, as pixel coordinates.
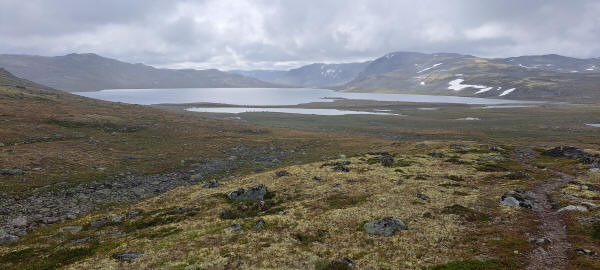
<point>313,75</point>
<point>90,72</point>
<point>464,75</point>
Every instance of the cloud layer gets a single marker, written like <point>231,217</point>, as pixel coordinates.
<point>248,34</point>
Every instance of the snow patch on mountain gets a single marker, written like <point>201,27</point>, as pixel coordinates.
<point>506,92</point>
<point>426,69</point>
<point>484,90</point>
<point>457,85</point>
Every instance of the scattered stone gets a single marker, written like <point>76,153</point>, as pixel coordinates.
<point>7,238</point>
<point>542,241</point>
<point>11,172</point>
<point>422,197</point>
<point>81,240</point>
<point>436,155</point>
<point>255,193</point>
<point>590,205</point>
<point>585,251</point>
<point>344,263</point>
<point>387,160</point>
<point>259,224</point>
<point>99,222</point>
<point>341,156</point>
<point>572,153</point>
<point>316,178</point>
<point>384,226</point>
<point>18,222</point>
<point>128,256</point>
<point>573,208</point>
<point>457,146</point>
<point>594,170</point>
<point>179,210</point>
<point>341,168</point>
<point>117,218</point>
<point>211,184</point>
<point>516,199</point>
<point>398,182</point>
<point>71,228</point>
<point>282,173</point>
<point>587,219</point>
<point>132,214</point>
<point>235,227</point>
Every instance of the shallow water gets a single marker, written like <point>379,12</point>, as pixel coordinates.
<point>282,110</point>
<point>268,96</point>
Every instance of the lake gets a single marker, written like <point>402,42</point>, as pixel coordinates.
<point>283,110</point>
<point>268,96</point>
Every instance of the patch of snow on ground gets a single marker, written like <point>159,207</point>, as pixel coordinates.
<point>428,109</point>
<point>426,69</point>
<point>499,88</point>
<point>422,83</point>
<point>574,71</point>
<point>506,92</point>
<point>469,119</point>
<point>458,75</point>
<point>484,90</point>
<point>593,125</point>
<point>457,85</point>
<point>523,66</point>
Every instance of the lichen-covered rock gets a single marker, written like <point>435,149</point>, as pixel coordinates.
<point>255,193</point>
<point>99,222</point>
<point>573,208</point>
<point>384,226</point>
<point>7,238</point>
<point>127,256</point>
<point>517,199</point>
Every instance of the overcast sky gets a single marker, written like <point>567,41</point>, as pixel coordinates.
<point>254,34</point>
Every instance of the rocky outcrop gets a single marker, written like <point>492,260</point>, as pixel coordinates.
<point>255,193</point>
<point>385,226</point>
<point>573,153</point>
<point>518,198</point>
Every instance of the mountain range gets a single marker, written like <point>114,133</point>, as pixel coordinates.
<point>540,77</point>
<point>549,77</point>
<point>91,72</point>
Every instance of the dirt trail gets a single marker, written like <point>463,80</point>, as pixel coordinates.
<point>550,242</point>
<point>552,253</point>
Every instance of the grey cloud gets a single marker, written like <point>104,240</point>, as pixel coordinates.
<point>230,34</point>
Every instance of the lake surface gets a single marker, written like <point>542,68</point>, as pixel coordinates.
<point>268,96</point>
<point>283,110</point>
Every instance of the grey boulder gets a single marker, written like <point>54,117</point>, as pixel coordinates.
<point>255,193</point>
<point>384,226</point>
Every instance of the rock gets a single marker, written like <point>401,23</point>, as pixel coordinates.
<point>384,226</point>
<point>341,168</point>
<point>594,170</point>
<point>457,146</point>
<point>387,160</point>
<point>282,173</point>
<point>589,204</point>
<point>542,241</point>
<point>587,219</point>
<point>211,184</point>
<point>71,228</point>
<point>341,156</point>
<point>398,182</point>
<point>11,172</point>
<point>255,193</point>
<point>132,214</point>
<point>572,153</point>
<point>99,222</point>
<point>235,227</point>
<point>18,222</point>
<point>6,238</point>
<point>585,251</point>
<point>344,263</point>
<point>573,208</point>
<point>516,199</point>
<point>81,240</point>
<point>436,155</point>
<point>117,218</point>
<point>197,177</point>
<point>127,256</point>
<point>316,178</point>
<point>422,197</point>
<point>178,210</point>
<point>259,224</point>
